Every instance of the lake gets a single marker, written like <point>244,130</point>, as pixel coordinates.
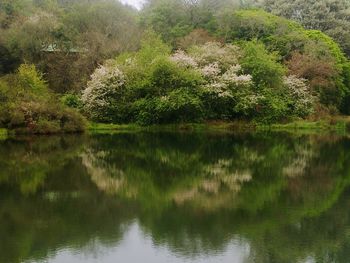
<point>175,197</point>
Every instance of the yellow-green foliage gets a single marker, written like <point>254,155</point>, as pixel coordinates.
<point>3,134</point>
<point>29,107</point>
<point>31,80</point>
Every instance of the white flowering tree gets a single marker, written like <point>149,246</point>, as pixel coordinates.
<point>184,60</point>
<point>214,52</point>
<point>300,94</point>
<point>104,91</point>
<point>226,90</point>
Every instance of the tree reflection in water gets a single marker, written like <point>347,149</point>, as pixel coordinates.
<point>283,196</point>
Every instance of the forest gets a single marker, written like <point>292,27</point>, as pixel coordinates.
<point>67,63</point>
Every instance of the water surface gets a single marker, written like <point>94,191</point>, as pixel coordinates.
<point>175,197</point>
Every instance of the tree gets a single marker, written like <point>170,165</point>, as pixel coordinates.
<point>329,16</point>
<point>65,39</point>
<point>103,99</point>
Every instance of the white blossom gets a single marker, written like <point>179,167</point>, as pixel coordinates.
<point>231,77</point>
<point>224,55</point>
<point>184,60</point>
<point>211,71</point>
<point>299,90</point>
<point>105,82</point>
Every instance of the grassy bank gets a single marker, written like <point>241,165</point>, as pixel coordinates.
<point>339,125</point>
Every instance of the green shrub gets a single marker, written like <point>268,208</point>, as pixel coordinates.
<point>178,106</point>
<point>144,111</point>
<point>211,81</point>
<point>29,107</point>
<point>72,101</point>
<point>31,80</point>
<point>217,107</point>
<point>72,121</point>
<point>166,76</point>
<point>262,65</point>
<point>272,108</point>
<point>45,126</point>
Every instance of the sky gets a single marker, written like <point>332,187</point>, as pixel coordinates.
<point>135,3</point>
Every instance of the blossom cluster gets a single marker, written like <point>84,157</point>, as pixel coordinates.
<point>184,60</point>
<point>224,55</point>
<point>301,94</point>
<point>104,83</point>
<point>218,64</point>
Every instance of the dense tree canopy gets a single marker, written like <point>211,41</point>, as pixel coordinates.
<point>331,17</point>
<point>65,39</point>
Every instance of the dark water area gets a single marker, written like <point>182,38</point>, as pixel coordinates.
<point>175,197</point>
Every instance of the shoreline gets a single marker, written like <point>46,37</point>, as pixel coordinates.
<point>339,125</point>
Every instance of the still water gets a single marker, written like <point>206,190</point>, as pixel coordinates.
<point>175,197</point>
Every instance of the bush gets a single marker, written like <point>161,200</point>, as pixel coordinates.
<point>214,52</point>
<point>273,107</point>
<point>178,106</point>
<point>166,76</point>
<point>72,121</point>
<point>44,118</point>
<point>321,72</point>
<point>144,111</point>
<point>72,101</point>
<point>181,105</point>
<point>262,65</point>
<point>29,107</point>
<point>31,80</point>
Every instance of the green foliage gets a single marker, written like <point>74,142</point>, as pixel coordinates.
<point>72,101</point>
<point>263,66</point>
<point>175,19</point>
<point>166,76</point>
<point>220,81</point>
<point>65,39</point>
<point>29,107</point>
<point>31,80</point>
<point>151,48</point>
<point>179,106</point>
<point>318,52</point>
<point>273,107</point>
<point>331,17</point>
<point>211,82</point>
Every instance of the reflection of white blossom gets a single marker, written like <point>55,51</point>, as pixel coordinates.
<point>297,166</point>
<point>107,178</point>
<point>220,181</point>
